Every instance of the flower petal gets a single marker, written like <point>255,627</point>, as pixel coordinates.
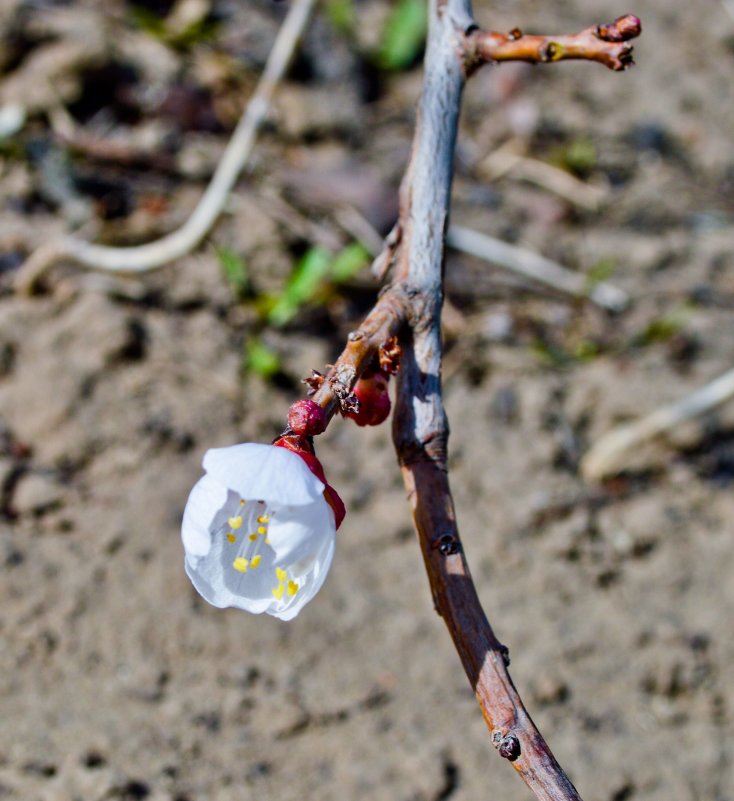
<point>311,586</point>
<point>297,532</point>
<point>263,472</point>
<point>206,499</point>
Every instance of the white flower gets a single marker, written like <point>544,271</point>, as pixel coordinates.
<point>257,531</point>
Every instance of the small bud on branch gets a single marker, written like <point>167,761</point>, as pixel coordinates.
<point>607,44</point>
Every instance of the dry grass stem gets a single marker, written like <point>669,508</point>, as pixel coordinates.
<point>532,265</point>
<point>154,255</point>
<point>612,453</point>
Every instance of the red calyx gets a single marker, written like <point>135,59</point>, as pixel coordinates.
<point>374,400</point>
<point>299,445</point>
<point>307,418</point>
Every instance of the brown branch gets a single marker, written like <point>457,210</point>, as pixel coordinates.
<point>420,430</point>
<point>386,319</point>
<point>607,44</point>
<point>484,658</point>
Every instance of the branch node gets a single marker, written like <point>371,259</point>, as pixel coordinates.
<point>550,52</point>
<point>448,545</point>
<point>313,382</point>
<point>349,404</point>
<point>341,383</point>
<point>509,747</point>
<point>389,355</point>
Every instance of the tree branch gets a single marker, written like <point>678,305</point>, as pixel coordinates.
<point>607,44</point>
<point>420,428</point>
<point>410,306</point>
<point>386,319</point>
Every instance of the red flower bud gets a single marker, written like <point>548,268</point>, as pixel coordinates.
<point>307,418</point>
<point>374,400</point>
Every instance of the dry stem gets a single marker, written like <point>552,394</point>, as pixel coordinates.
<point>420,428</point>
<point>607,44</point>
<point>536,267</point>
<point>613,452</point>
<point>384,321</point>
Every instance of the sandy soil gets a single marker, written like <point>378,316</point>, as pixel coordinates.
<point>118,682</point>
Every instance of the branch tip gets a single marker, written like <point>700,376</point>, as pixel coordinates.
<point>608,44</point>
<point>622,29</point>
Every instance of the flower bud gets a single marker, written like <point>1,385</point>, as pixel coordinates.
<point>374,400</point>
<point>306,418</point>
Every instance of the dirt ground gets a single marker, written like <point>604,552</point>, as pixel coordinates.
<point>116,680</point>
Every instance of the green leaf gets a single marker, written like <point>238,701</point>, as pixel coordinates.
<point>602,270</point>
<point>578,156</point>
<point>261,359</point>
<point>404,35</point>
<point>665,327</point>
<point>302,286</point>
<point>348,262</point>
<point>234,270</point>
<point>148,22</point>
<point>342,15</point>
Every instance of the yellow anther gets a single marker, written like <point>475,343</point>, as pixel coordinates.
<point>235,522</point>
<point>278,591</point>
<point>255,561</point>
<point>231,537</point>
<point>252,537</point>
<point>261,530</point>
<point>292,588</point>
<point>281,574</point>
<point>263,519</point>
<point>240,564</point>
<point>242,501</point>
<point>267,540</point>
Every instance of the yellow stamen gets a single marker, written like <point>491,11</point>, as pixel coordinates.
<point>281,574</point>
<point>231,537</point>
<point>292,588</point>
<point>235,522</point>
<point>262,530</point>
<point>255,561</point>
<point>278,591</point>
<point>240,564</point>
<point>252,537</point>
<point>242,501</point>
<point>267,540</point>
<point>263,519</point>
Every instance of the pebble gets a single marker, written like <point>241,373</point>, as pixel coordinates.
<point>36,493</point>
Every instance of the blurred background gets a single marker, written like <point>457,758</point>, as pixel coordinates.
<point>616,601</point>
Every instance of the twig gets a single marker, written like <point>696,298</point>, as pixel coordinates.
<point>538,268</point>
<point>606,44</point>
<point>420,428</point>
<point>384,321</point>
<point>411,307</point>
<point>611,453</point>
<point>156,254</point>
